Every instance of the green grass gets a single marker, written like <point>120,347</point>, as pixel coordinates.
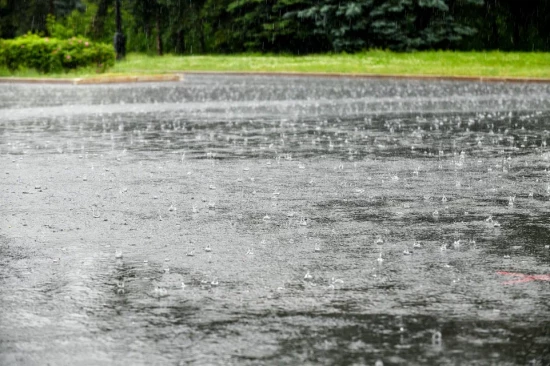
<point>32,73</point>
<point>446,63</point>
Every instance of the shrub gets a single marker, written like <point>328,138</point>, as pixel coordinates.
<point>53,55</point>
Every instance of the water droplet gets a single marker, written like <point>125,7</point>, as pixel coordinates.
<point>317,246</point>
<point>456,244</point>
<point>436,338</point>
<point>160,292</point>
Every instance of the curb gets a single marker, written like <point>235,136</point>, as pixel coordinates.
<point>96,80</point>
<point>129,79</point>
<point>179,76</point>
<point>8,80</point>
<point>377,76</point>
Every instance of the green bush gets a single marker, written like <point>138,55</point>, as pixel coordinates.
<point>48,55</point>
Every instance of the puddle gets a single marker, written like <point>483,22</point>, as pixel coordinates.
<point>257,220</point>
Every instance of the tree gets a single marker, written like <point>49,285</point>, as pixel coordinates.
<point>62,8</point>
<point>19,17</point>
<point>98,21</point>
<point>297,26</point>
<point>266,26</point>
<point>393,24</point>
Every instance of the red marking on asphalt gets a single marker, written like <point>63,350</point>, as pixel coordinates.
<point>522,277</point>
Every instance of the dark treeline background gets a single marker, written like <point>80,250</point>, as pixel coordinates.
<point>293,26</point>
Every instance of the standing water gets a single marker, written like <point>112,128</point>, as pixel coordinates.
<point>281,221</point>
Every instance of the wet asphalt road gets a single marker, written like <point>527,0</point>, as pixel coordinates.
<point>260,220</point>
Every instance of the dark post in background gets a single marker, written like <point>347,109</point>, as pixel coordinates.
<point>120,40</point>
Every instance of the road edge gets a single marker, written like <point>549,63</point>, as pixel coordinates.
<point>174,76</point>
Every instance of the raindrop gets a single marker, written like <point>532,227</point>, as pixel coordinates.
<point>456,244</point>
<point>436,338</point>
<point>317,246</point>
<point>160,292</point>
<point>120,287</point>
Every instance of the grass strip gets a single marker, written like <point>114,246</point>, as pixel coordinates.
<point>443,63</point>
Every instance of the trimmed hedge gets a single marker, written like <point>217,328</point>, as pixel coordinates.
<point>54,55</point>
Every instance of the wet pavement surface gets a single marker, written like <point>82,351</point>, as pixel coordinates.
<point>229,220</point>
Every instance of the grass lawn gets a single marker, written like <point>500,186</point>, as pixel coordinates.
<point>445,63</point>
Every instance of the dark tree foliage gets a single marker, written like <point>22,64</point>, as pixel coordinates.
<point>98,21</point>
<point>511,25</point>
<point>267,25</point>
<point>18,17</point>
<point>296,26</point>
<point>63,8</point>
<point>393,24</point>
<point>175,25</point>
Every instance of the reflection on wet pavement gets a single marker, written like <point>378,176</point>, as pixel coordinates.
<point>257,220</point>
